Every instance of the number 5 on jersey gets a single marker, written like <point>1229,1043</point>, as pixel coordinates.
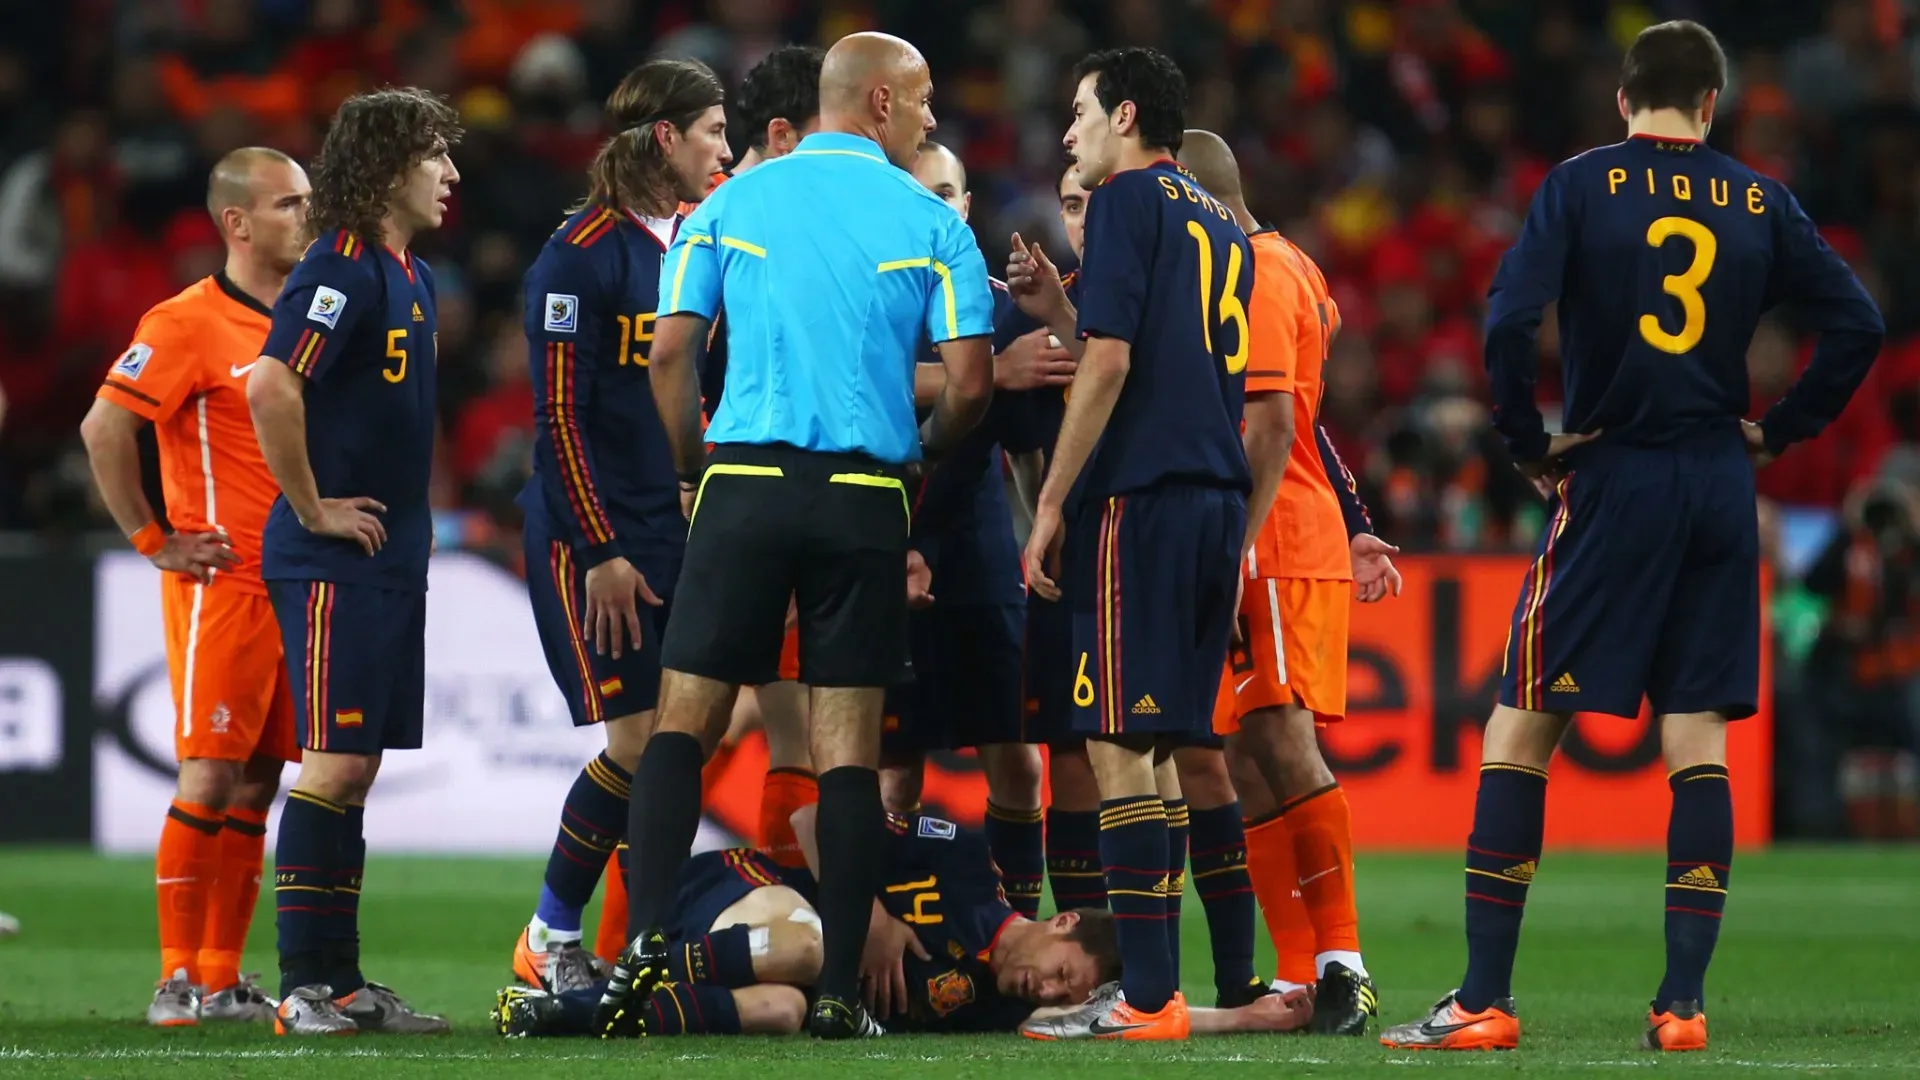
<point>396,350</point>
<point>1231,309</point>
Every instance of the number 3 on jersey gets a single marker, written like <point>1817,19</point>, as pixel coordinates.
<point>1231,309</point>
<point>1684,286</point>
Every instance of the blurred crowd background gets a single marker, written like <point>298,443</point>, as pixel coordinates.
<point>1398,142</point>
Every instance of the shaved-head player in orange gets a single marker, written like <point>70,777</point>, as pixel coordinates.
<point>186,374</point>
<point>1288,670</point>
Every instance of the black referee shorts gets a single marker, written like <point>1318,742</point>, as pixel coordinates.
<point>773,522</point>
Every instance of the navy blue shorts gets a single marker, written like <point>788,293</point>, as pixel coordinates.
<point>357,663</point>
<point>1049,673</point>
<point>1646,584</point>
<point>713,881</point>
<point>596,687</point>
<point>1152,582</point>
<point>966,687</point>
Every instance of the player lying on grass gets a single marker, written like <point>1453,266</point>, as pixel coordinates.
<point>945,952</point>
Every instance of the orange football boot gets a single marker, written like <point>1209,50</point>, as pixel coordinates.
<point>1682,1027</point>
<point>1108,1016</point>
<point>1450,1027</point>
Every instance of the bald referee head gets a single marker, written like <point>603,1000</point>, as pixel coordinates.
<point>878,85</point>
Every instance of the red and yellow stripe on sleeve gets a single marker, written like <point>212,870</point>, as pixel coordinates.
<point>568,448</point>
<point>306,351</point>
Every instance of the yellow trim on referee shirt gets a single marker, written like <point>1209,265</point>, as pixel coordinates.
<point>680,272</point>
<point>738,244</point>
<point>870,480</point>
<point>730,470</point>
<point>946,286</point>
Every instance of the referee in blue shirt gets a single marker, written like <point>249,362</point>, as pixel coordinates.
<point>833,265</point>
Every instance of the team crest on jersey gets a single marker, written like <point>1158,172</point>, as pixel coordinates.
<point>133,361</point>
<point>327,306</point>
<point>933,828</point>
<point>563,313</point>
<point>950,991</point>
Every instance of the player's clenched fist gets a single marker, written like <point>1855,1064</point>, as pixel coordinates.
<point>612,617</point>
<point>350,519</point>
<point>196,554</point>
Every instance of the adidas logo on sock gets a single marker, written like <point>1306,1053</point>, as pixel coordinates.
<point>1565,684</point>
<point>1521,872</point>
<point>1701,877</point>
<point>1146,706</point>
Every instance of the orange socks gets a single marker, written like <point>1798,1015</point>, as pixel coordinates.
<point>184,872</point>
<point>785,792</point>
<point>230,903</point>
<point>1276,887</point>
<point>611,937</point>
<point>1322,829</point>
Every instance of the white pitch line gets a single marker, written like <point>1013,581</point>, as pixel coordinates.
<point>21,1053</point>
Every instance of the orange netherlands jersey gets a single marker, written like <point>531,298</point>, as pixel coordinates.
<point>187,372</point>
<point>1304,536</point>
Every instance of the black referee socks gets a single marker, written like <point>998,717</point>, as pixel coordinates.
<point>851,833</point>
<point>663,817</point>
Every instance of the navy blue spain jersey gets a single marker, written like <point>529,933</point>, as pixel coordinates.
<point>1168,270</point>
<point>357,323</point>
<point>939,879</point>
<point>1663,254</point>
<point>603,475</point>
<point>962,523</point>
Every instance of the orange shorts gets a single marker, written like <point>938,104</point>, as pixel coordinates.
<point>1293,648</point>
<point>229,675</point>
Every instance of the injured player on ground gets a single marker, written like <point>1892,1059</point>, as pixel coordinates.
<point>945,952</point>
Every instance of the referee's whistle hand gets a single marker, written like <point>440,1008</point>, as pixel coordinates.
<point>351,519</point>
<point>1043,552</point>
<point>613,617</point>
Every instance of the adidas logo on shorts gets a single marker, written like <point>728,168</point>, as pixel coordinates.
<point>1565,684</point>
<point>1146,706</point>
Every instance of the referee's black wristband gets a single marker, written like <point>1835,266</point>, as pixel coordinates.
<point>689,480</point>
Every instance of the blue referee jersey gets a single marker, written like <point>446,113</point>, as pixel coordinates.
<point>833,267</point>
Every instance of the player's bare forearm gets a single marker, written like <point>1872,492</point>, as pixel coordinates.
<point>1096,388</point>
<point>678,342</point>
<point>1064,327</point>
<point>110,433</point>
<point>1269,442</point>
<point>277,399</point>
<point>963,400</point>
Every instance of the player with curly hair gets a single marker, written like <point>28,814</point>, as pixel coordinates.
<point>343,402</point>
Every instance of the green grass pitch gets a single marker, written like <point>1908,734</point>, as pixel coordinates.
<point>1818,974</point>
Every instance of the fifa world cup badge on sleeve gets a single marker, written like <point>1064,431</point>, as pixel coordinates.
<point>133,361</point>
<point>327,306</point>
<point>563,313</point>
